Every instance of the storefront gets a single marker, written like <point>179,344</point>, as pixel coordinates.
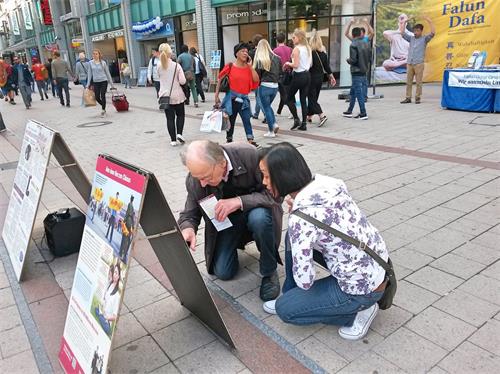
<point>148,41</point>
<point>111,44</point>
<point>188,33</point>
<point>240,22</point>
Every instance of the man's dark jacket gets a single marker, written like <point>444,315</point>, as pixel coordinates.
<point>26,74</point>
<point>359,57</point>
<point>245,176</point>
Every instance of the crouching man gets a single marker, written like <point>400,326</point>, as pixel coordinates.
<point>231,173</point>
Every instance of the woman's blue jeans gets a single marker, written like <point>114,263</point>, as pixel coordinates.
<point>267,95</point>
<point>324,302</point>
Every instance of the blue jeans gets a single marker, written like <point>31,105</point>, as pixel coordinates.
<point>126,81</point>
<point>106,326</point>
<point>83,82</point>
<point>267,95</point>
<point>237,107</point>
<point>324,302</point>
<point>259,221</point>
<point>258,104</point>
<point>358,91</point>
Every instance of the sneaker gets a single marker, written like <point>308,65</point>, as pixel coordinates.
<point>269,306</point>
<point>303,127</point>
<point>269,134</point>
<point>417,100</point>
<point>322,121</point>
<point>173,143</point>
<point>361,117</point>
<point>254,116</point>
<point>264,121</point>
<point>196,105</point>
<point>361,324</point>
<point>270,287</point>
<point>68,105</point>
<point>276,128</point>
<point>296,124</point>
<point>229,140</point>
<point>41,99</point>
<point>181,139</point>
<point>46,96</point>
<point>252,142</point>
<point>406,101</point>
<point>103,112</point>
<point>12,102</point>
<point>347,114</point>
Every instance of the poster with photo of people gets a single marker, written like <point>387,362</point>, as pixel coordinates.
<point>100,277</point>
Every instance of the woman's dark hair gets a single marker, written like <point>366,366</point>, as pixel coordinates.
<point>287,168</point>
<point>193,51</point>
<point>184,48</point>
<point>117,266</point>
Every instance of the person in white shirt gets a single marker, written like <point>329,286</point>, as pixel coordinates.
<point>108,309</point>
<point>200,72</point>
<point>348,297</point>
<point>153,77</point>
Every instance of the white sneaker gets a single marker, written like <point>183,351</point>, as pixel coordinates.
<point>173,144</point>
<point>276,128</point>
<point>361,324</point>
<point>181,139</point>
<point>269,134</point>
<point>270,306</point>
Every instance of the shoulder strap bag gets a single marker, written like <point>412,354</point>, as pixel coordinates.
<point>164,101</point>
<point>325,74</point>
<point>390,277</point>
<point>224,82</point>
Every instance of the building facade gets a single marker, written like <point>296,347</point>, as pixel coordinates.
<point>37,27</point>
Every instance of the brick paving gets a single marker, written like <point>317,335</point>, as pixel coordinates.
<point>428,178</point>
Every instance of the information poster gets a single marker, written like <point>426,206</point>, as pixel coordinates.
<point>143,77</point>
<point>102,268</point>
<point>462,27</point>
<point>26,192</point>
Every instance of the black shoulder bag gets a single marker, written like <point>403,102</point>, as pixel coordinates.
<point>390,289</point>
<point>164,101</point>
<point>326,76</point>
<point>224,82</point>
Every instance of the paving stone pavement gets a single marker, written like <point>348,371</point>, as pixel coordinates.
<point>428,178</point>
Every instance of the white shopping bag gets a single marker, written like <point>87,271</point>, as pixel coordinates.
<point>212,121</point>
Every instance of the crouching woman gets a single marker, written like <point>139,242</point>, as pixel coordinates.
<point>348,296</point>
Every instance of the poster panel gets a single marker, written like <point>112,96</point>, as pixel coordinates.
<point>26,192</point>
<point>475,79</point>
<point>102,268</point>
<point>462,27</point>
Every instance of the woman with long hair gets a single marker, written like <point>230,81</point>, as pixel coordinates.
<point>98,77</point>
<point>301,63</point>
<point>125,71</point>
<point>268,67</point>
<point>242,79</point>
<point>172,78</point>
<point>320,67</point>
<point>348,296</point>
<point>108,311</point>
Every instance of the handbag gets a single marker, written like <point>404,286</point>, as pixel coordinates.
<point>326,76</point>
<point>214,121</point>
<point>224,82</point>
<point>164,101</point>
<point>390,276</point>
<point>89,97</point>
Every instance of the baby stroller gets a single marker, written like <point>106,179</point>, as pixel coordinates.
<point>120,101</point>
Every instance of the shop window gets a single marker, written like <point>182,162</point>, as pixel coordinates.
<point>258,12</point>
<point>343,7</point>
<point>275,28</point>
<point>308,8</point>
<point>234,14</point>
<point>276,9</point>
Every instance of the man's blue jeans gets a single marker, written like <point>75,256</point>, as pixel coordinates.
<point>259,221</point>
<point>358,91</point>
<point>267,95</point>
<point>324,302</point>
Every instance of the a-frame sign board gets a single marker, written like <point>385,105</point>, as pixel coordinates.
<point>122,196</point>
<point>39,142</point>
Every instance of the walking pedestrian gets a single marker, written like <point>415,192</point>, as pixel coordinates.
<point>8,88</point>
<point>320,72</point>
<point>416,56</point>
<point>50,78</point>
<point>125,72</point>
<point>186,60</point>
<point>301,63</point>
<point>171,80</point>
<point>99,77</point>
<point>242,79</point>
<point>200,72</point>
<point>268,67</point>
<point>285,54</point>
<point>153,70</point>
<point>359,59</point>
<point>251,52</point>
<point>40,73</point>
<point>22,79</point>
<point>60,73</point>
<point>82,68</point>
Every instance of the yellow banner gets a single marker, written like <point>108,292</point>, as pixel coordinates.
<point>462,27</point>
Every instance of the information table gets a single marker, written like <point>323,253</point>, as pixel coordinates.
<point>471,90</point>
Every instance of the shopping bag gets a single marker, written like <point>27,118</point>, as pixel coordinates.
<point>212,121</point>
<point>89,97</point>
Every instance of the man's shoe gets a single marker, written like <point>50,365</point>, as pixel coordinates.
<point>361,117</point>
<point>68,105</point>
<point>296,124</point>
<point>269,306</point>
<point>303,127</point>
<point>347,114</point>
<point>229,140</point>
<point>46,96</point>
<point>361,324</point>
<point>406,101</point>
<point>270,287</point>
<point>417,100</point>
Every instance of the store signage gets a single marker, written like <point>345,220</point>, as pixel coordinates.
<point>77,41</point>
<point>28,23</point>
<point>47,16</point>
<point>254,13</point>
<point>66,17</point>
<point>107,35</point>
